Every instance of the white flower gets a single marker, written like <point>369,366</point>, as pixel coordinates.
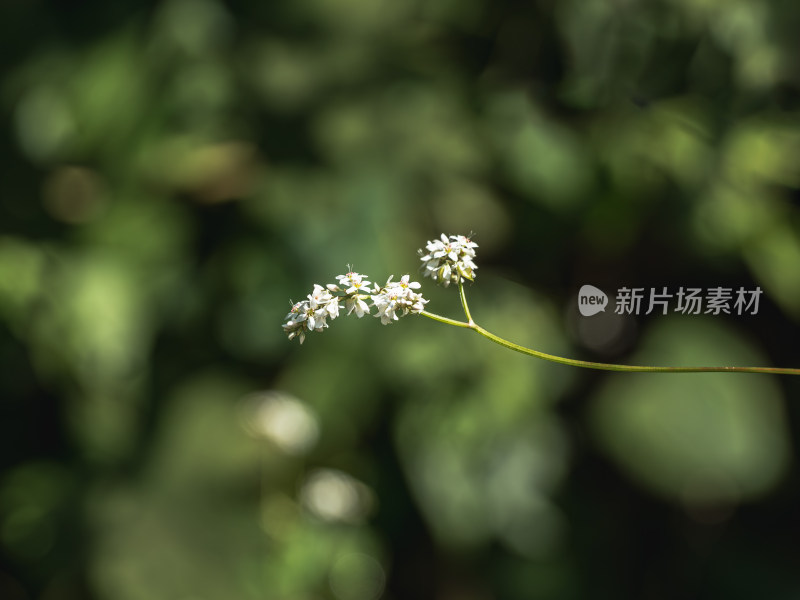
<point>397,296</point>
<point>357,303</point>
<point>311,314</point>
<point>295,325</point>
<point>324,303</point>
<point>449,259</point>
<point>352,284</point>
<point>394,300</point>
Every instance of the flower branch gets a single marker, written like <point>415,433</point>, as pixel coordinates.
<point>449,259</point>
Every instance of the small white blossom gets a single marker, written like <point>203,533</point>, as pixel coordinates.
<point>397,296</point>
<point>449,259</point>
<point>311,314</point>
<point>295,325</point>
<point>357,303</point>
<point>353,285</point>
<point>394,300</point>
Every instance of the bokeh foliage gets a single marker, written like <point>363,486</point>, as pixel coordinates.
<point>175,171</point>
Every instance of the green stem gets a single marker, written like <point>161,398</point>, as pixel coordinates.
<point>442,319</point>
<point>464,301</point>
<point>470,324</point>
<point>627,368</point>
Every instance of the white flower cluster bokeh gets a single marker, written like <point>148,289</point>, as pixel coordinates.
<point>448,259</point>
<point>393,299</point>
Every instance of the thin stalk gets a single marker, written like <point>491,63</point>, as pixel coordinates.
<point>627,368</point>
<point>464,301</point>
<point>442,319</point>
<point>470,324</point>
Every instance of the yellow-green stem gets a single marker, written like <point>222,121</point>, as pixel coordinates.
<point>464,301</point>
<point>470,324</point>
<point>442,319</point>
<point>627,368</point>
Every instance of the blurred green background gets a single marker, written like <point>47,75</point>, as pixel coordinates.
<point>174,172</point>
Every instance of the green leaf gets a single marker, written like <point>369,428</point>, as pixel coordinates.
<point>696,438</point>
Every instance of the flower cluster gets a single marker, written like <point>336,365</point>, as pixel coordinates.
<point>311,314</point>
<point>398,296</point>
<point>353,285</point>
<point>448,259</point>
<point>354,289</point>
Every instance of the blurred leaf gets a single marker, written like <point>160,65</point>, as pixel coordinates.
<point>700,439</point>
<point>204,408</point>
<point>481,451</point>
<point>544,159</point>
<point>22,272</point>
<point>30,498</point>
<point>774,257</point>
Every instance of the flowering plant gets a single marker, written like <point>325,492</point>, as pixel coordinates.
<point>446,260</point>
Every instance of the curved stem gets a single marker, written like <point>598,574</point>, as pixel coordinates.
<point>442,319</point>
<point>464,300</point>
<point>627,368</point>
<point>470,324</point>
